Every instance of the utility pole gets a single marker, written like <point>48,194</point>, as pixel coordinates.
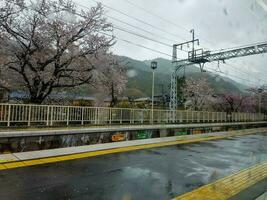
<point>177,67</point>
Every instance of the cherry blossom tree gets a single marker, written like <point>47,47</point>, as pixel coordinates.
<point>230,102</point>
<point>113,78</point>
<point>198,93</point>
<point>51,44</point>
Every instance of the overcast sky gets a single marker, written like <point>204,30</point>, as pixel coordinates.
<point>218,24</point>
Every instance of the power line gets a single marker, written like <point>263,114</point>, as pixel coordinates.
<point>137,19</point>
<point>163,19</point>
<point>135,33</point>
<point>138,45</point>
<point>131,25</point>
<point>239,71</point>
<point>233,76</point>
<point>156,15</point>
<point>142,36</point>
<point>136,27</point>
<point>254,83</point>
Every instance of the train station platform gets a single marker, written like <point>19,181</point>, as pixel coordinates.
<point>69,153</point>
<point>46,131</point>
<point>171,168</point>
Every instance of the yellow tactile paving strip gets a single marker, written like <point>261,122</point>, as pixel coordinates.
<point>229,186</point>
<point>26,163</point>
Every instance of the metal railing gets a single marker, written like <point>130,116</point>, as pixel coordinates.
<point>49,115</point>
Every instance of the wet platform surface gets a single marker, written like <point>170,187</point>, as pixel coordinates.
<point>159,173</point>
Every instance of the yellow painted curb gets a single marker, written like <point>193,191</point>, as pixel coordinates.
<point>229,186</point>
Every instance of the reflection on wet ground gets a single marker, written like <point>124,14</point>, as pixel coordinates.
<point>159,173</point>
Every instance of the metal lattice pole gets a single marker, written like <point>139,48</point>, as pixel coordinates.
<point>173,91</point>
<point>173,95</point>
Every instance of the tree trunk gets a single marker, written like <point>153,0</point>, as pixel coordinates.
<point>114,99</point>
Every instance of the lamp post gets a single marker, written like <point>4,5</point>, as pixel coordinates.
<point>154,65</point>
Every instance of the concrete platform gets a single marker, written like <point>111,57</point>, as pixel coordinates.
<point>124,146</point>
<point>152,173</point>
<point>113,128</point>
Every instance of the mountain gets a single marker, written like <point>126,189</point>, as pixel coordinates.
<point>140,78</point>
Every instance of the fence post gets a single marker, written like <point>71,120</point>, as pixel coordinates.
<point>8,115</point>
<point>29,115</point>
<point>82,115</point>
<point>68,115</point>
<point>95,115</point>
<point>47,117</point>
<point>110,115</point>
<point>52,114</point>
<point>131,116</point>
<point>121,117</point>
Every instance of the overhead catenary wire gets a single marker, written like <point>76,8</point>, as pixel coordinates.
<point>233,76</point>
<point>255,81</point>
<point>139,20</point>
<point>135,33</point>
<point>239,71</point>
<point>163,19</point>
<point>141,29</point>
<point>131,25</point>
<point>138,45</point>
<point>140,35</point>
<point>156,15</point>
<point>249,78</point>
